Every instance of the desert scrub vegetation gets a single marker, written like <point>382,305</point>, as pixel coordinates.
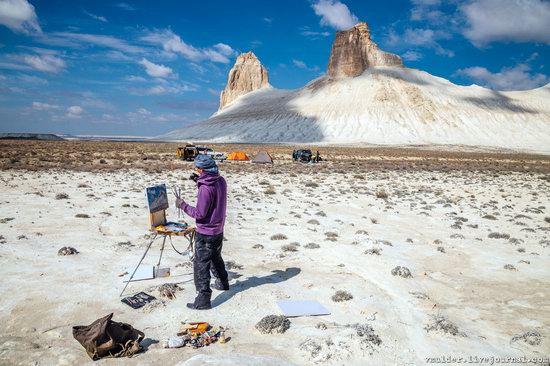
<point>495,235</point>
<point>289,248</point>
<point>341,295</point>
<point>312,246</point>
<point>381,193</point>
<point>278,237</point>
<point>61,196</point>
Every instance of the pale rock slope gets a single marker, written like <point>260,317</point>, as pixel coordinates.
<point>385,103</point>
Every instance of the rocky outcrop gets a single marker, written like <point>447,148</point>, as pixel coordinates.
<point>353,51</point>
<point>247,75</point>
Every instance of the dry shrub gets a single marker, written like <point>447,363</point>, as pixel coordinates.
<point>341,295</point>
<point>61,196</point>
<point>381,193</point>
<point>495,235</point>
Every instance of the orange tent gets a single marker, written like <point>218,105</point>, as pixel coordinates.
<point>238,155</point>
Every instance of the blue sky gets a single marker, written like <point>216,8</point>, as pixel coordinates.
<point>145,68</point>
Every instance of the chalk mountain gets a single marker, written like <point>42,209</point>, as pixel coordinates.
<point>369,97</point>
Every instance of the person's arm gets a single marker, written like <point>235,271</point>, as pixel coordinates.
<point>204,201</point>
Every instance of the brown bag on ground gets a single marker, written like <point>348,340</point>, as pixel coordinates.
<point>106,338</point>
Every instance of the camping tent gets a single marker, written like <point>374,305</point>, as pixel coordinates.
<point>237,155</point>
<point>263,157</point>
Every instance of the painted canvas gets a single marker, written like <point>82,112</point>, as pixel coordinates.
<point>157,198</point>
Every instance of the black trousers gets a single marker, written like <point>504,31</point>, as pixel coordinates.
<point>208,257</point>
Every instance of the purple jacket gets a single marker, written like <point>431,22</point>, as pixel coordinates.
<point>211,204</point>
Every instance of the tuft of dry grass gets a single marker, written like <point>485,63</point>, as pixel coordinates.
<point>278,237</point>
<point>61,196</point>
<point>373,251</point>
<point>82,216</point>
<point>401,272</point>
<point>341,296</point>
<point>495,235</point>
<point>312,246</point>
<point>289,248</point>
<point>381,193</point>
<point>443,324</point>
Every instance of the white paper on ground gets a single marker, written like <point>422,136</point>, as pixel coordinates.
<point>143,273</point>
<point>292,308</point>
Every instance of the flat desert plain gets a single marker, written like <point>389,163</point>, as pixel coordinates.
<point>418,255</point>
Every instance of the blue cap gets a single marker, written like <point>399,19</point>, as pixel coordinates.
<point>205,162</point>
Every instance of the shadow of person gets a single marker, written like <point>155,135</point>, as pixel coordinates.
<point>276,276</point>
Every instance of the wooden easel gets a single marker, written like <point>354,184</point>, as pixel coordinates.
<point>160,227</point>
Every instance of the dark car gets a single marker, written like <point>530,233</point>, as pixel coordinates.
<point>302,155</point>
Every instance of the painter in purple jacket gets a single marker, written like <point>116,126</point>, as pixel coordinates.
<point>210,219</point>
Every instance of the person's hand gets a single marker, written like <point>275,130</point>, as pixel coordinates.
<point>194,177</point>
<point>179,202</point>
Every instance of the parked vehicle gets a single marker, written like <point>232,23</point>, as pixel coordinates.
<point>187,153</point>
<point>302,155</point>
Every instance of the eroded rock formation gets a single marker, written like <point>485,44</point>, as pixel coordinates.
<point>247,75</point>
<point>353,51</point>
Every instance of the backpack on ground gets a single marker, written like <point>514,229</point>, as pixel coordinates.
<point>107,338</point>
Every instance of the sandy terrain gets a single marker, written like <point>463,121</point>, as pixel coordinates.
<point>472,229</point>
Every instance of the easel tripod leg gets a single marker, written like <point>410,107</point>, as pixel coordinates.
<point>141,260</point>
<point>161,251</point>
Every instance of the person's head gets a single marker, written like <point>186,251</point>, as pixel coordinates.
<point>205,163</point>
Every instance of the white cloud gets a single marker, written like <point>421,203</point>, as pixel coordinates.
<point>511,20</point>
<point>43,106</point>
<point>302,65</point>
<point>155,70</point>
<point>512,78</point>
<point>19,16</point>
<point>70,39</point>
<point>334,14</point>
<point>421,37</point>
<point>143,111</point>
<point>126,6</point>
<point>167,88</point>
<point>134,78</point>
<point>96,17</point>
<point>156,90</point>
<point>299,64</point>
<point>171,42</point>
<point>34,80</point>
<point>411,56</point>
<point>305,31</point>
<point>426,2</point>
<point>117,56</point>
<point>267,20</point>
<point>74,112</point>
<point>46,63</point>
<point>434,16</point>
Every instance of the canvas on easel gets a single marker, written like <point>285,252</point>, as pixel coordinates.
<point>157,201</point>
